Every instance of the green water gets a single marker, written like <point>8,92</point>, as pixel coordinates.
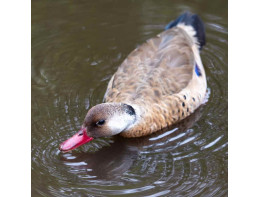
<point>76,47</point>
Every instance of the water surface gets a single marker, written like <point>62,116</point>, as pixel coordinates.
<point>76,47</point>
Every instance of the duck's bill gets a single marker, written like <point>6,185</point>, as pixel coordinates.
<point>75,141</point>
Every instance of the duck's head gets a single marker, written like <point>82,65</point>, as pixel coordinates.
<point>103,120</point>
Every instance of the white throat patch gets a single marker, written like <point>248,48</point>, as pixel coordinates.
<point>119,123</point>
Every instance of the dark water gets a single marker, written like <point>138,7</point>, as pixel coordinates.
<point>76,47</point>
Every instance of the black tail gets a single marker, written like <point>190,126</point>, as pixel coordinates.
<point>194,20</point>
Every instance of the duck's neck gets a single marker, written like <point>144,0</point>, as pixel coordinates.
<point>123,122</point>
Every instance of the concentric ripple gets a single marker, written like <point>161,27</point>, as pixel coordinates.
<point>76,47</point>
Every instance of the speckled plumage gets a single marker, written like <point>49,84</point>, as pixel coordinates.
<point>160,83</point>
<point>159,79</point>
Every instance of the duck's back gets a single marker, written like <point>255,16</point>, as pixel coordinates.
<point>161,66</point>
<point>155,75</point>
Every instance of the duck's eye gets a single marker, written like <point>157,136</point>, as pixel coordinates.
<point>80,134</point>
<point>100,122</point>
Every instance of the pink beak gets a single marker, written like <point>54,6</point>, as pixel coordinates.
<point>75,141</point>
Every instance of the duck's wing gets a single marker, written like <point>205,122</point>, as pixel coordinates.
<point>163,79</point>
<point>162,66</point>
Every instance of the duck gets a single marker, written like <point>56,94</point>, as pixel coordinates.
<point>160,83</point>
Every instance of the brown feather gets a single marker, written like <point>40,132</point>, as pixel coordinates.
<point>159,78</point>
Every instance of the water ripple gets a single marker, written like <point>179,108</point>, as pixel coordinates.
<point>70,74</point>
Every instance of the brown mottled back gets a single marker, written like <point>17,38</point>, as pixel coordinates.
<point>154,77</point>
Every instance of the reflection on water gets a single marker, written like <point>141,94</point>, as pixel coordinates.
<point>112,161</point>
<point>76,47</point>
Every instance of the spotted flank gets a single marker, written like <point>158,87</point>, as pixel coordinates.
<point>159,78</point>
<point>155,87</point>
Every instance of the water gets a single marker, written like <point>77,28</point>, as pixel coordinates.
<point>76,47</point>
